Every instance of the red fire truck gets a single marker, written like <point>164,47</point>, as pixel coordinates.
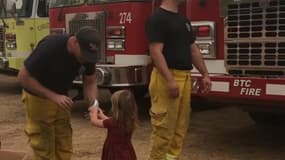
<point>124,60</point>
<point>247,64</point>
<point>254,57</point>
<point>241,41</point>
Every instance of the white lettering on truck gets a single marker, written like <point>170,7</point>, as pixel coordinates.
<point>125,17</point>
<point>246,88</point>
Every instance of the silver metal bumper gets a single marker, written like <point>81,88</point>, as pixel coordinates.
<point>4,63</point>
<point>120,76</point>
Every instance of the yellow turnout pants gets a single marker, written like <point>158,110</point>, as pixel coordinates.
<point>48,129</point>
<point>169,117</point>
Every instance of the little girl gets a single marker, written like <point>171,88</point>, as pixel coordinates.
<point>120,125</point>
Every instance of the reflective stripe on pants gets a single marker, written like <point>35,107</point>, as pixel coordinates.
<point>48,129</point>
<point>169,117</point>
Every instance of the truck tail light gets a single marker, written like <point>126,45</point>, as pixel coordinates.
<point>11,42</point>
<point>10,36</point>
<point>116,32</point>
<point>115,38</point>
<point>203,31</point>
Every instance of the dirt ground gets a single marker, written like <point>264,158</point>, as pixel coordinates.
<point>221,134</point>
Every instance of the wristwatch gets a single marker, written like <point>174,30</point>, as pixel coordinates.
<point>94,103</point>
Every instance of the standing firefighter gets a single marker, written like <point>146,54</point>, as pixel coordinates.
<point>172,50</point>
<point>46,77</point>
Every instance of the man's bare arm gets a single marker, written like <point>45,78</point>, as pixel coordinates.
<point>90,87</point>
<point>198,60</point>
<point>159,60</point>
<point>33,85</point>
<point>199,63</point>
<point>162,67</point>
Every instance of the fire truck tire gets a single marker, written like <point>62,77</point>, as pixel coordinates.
<point>202,104</point>
<point>265,118</point>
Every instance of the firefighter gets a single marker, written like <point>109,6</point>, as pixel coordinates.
<point>46,77</point>
<point>173,51</point>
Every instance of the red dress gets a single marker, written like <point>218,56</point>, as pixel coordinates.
<point>118,145</point>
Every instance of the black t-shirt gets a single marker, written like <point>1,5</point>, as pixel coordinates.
<point>175,32</point>
<point>53,66</point>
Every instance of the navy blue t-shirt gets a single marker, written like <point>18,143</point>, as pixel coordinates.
<point>53,66</point>
<point>175,32</point>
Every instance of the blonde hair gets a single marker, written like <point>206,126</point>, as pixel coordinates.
<point>124,109</point>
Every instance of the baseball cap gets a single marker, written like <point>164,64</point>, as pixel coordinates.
<point>88,40</point>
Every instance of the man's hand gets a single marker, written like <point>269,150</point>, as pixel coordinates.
<point>206,84</point>
<point>63,101</point>
<point>173,89</point>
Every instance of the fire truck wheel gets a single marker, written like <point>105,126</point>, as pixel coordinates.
<point>265,118</point>
<point>202,104</point>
